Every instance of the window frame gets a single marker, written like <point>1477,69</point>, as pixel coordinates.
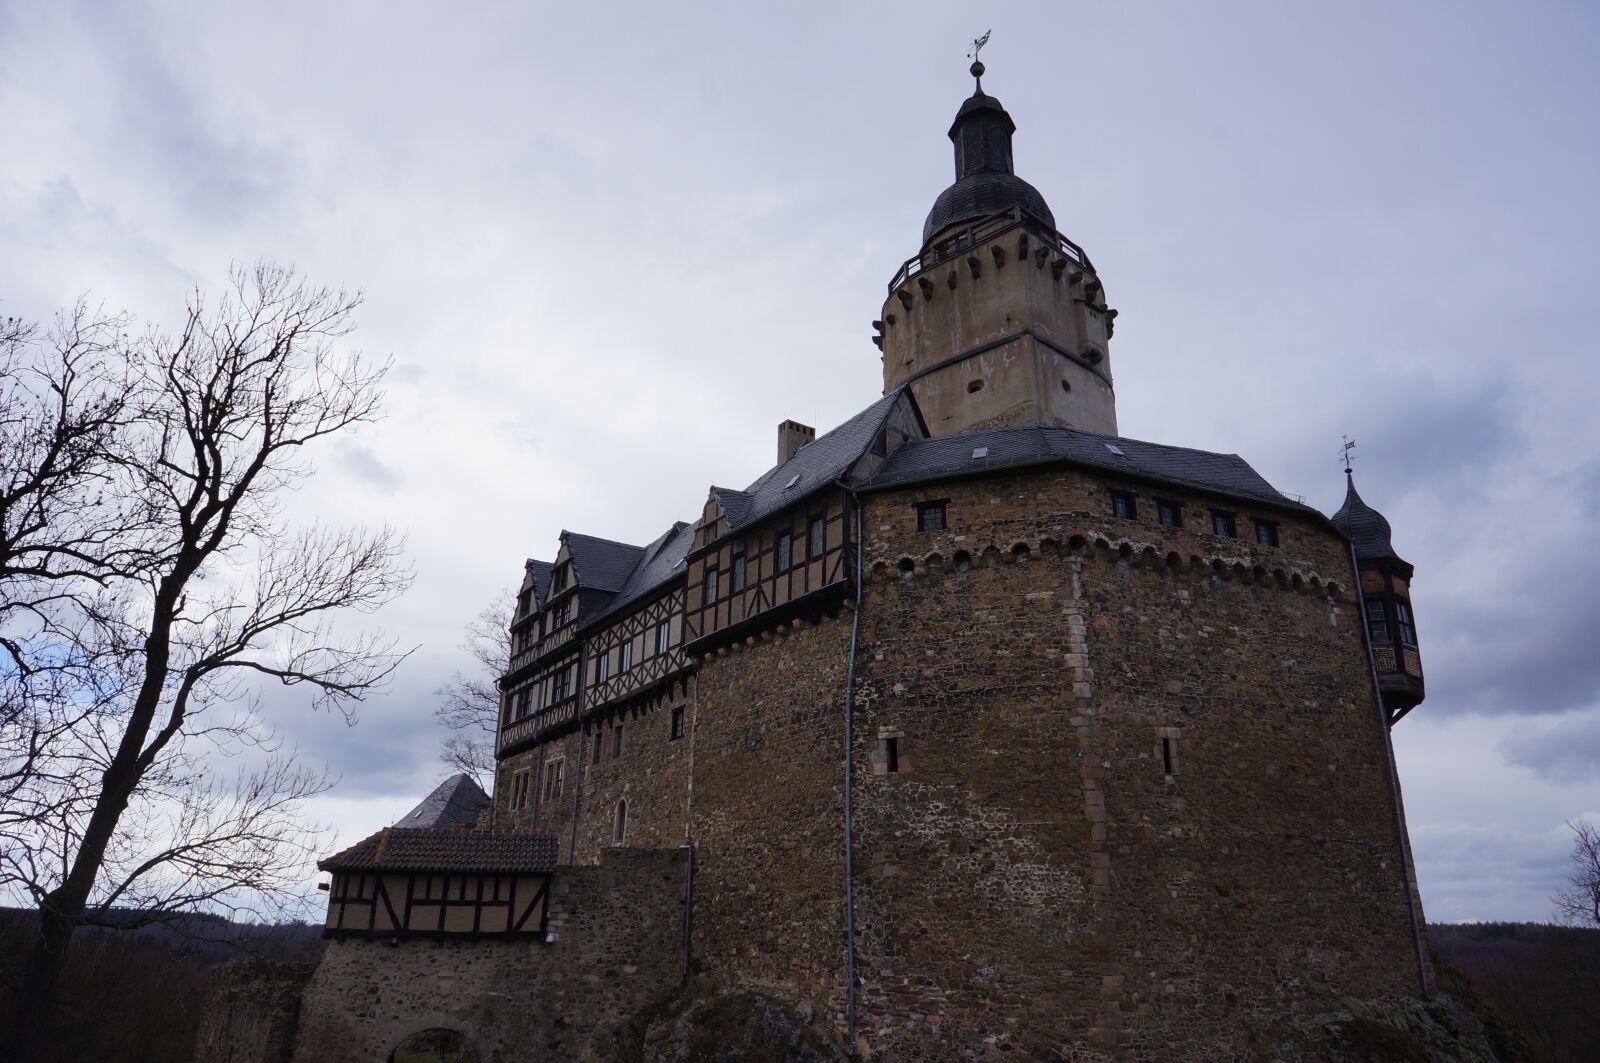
<point>1225,522</point>
<point>602,667</point>
<point>816,537</point>
<point>1128,499</point>
<point>1378,620</point>
<point>937,506</point>
<point>709,586</point>
<point>738,574</point>
<point>675,726</point>
<point>1266,532</point>
<point>783,551</point>
<point>625,657</point>
<point>1405,624</point>
<point>663,636</point>
<point>1172,506</point>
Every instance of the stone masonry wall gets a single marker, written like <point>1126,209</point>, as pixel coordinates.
<point>618,946</point>
<point>767,814</point>
<point>1033,879</point>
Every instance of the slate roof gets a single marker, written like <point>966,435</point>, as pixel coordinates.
<point>659,564</point>
<point>541,578</point>
<point>402,849</point>
<point>453,803</point>
<point>1366,527</point>
<point>947,456</point>
<point>601,564</point>
<point>820,461</point>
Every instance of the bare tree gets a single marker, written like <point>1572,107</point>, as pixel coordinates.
<point>202,593</point>
<point>470,705</point>
<point>1579,903</point>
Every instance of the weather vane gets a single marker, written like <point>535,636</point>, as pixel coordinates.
<point>1344,455</point>
<point>977,45</point>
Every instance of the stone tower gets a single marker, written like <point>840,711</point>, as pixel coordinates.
<point>998,320</point>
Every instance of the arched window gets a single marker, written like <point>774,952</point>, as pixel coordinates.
<point>619,832</point>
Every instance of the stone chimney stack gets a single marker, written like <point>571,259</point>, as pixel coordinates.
<point>792,435</point>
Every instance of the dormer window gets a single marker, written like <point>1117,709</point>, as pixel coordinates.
<point>525,602</point>
<point>558,581</point>
<point>1169,512</point>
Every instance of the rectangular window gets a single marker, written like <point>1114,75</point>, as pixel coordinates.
<point>519,790</point>
<point>1170,513</point>
<point>1123,505</point>
<point>1377,623</point>
<point>524,701</point>
<point>595,757</point>
<point>1267,532</point>
<point>602,667</point>
<point>562,614</point>
<point>616,741</point>
<point>524,602</point>
<point>737,579</point>
<point>1222,523</point>
<point>1408,631</point>
<point>553,772</point>
<point>816,545</point>
<point>930,516</point>
<point>560,684</point>
<point>558,582</point>
<point>711,586</point>
<point>1166,755</point>
<point>677,723</point>
<point>783,552</point>
<point>663,634</point>
<point>626,661</point>
<point>892,753</point>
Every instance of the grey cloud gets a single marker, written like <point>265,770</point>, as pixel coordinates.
<point>359,461</point>
<point>1473,872</point>
<point>1566,751</point>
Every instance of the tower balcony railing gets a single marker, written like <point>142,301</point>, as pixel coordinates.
<point>981,232</point>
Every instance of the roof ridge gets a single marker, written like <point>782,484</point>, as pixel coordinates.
<point>600,539</point>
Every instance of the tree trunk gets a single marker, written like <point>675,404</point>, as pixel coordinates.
<point>36,1001</point>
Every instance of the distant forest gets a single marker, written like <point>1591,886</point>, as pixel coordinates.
<point>1545,980</point>
<point>137,996</point>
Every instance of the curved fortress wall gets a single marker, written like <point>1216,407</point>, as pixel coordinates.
<point>1136,794</point>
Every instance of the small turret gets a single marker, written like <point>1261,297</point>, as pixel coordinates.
<point>1386,597</point>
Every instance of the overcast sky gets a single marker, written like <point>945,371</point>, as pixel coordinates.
<point>611,246</point>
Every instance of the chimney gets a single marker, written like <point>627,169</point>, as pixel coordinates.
<point>792,435</point>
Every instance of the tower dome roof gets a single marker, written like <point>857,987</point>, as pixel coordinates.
<point>1367,528</point>
<point>986,182</point>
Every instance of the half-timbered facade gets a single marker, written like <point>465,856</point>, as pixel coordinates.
<point>440,881</point>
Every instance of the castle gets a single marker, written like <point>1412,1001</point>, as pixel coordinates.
<point>971,729</point>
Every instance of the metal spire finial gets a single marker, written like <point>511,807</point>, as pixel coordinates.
<point>977,46</point>
<point>1344,455</point>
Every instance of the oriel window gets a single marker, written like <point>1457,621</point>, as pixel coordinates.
<point>930,516</point>
<point>1123,505</point>
<point>1402,615</point>
<point>1377,622</point>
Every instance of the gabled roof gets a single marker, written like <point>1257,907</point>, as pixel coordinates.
<point>601,564</point>
<point>453,803</point>
<point>541,578</point>
<point>959,455</point>
<point>818,462</point>
<point>661,562</point>
<point>400,849</point>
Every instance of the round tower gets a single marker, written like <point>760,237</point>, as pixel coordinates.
<point>1386,597</point>
<point>998,319</point>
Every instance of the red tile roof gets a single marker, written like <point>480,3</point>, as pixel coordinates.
<point>446,849</point>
